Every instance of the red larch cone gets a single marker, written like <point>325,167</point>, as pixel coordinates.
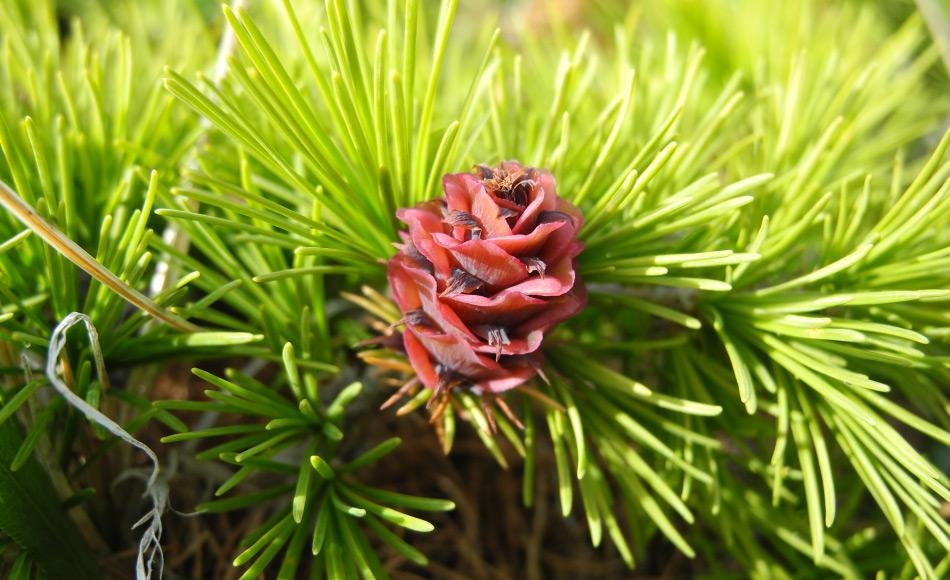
<point>482,275</point>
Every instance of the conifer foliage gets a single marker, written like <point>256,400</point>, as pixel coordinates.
<point>714,287</point>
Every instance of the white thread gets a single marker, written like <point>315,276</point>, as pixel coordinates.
<point>150,549</point>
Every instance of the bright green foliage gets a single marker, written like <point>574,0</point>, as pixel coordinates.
<point>330,509</point>
<point>760,374</point>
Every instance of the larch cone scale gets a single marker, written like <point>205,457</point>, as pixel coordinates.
<point>482,275</point>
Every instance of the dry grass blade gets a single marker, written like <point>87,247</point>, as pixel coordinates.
<point>75,254</point>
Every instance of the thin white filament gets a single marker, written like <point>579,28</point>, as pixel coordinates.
<point>150,550</point>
